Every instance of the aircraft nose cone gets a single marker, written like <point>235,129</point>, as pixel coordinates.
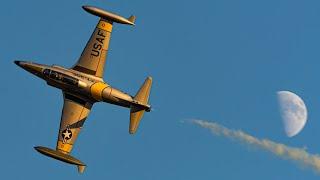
<point>17,63</point>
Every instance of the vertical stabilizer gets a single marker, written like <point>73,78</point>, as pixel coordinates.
<point>132,19</point>
<point>137,111</point>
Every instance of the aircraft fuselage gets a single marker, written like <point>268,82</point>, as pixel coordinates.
<point>83,86</point>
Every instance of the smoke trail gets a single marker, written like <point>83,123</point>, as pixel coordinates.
<point>299,155</point>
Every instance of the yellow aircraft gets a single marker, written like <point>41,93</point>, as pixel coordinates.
<point>83,85</point>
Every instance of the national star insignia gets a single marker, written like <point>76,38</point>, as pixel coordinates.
<point>66,134</point>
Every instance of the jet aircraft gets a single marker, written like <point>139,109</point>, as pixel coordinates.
<point>82,85</point>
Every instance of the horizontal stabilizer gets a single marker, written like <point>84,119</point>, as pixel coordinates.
<point>61,157</point>
<point>81,168</point>
<point>143,94</point>
<point>137,110</point>
<point>135,116</point>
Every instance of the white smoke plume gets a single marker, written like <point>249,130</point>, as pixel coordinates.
<point>299,155</point>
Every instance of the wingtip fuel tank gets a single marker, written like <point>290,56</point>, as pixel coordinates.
<point>61,157</point>
<point>109,16</point>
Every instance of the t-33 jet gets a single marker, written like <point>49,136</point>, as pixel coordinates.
<point>82,85</point>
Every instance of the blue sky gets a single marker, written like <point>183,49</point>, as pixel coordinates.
<point>221,61</point>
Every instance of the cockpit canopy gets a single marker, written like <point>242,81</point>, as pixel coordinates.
<point>60,77</point>
<point>46,72</point>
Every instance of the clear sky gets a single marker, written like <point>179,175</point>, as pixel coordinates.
<point>217,60</point>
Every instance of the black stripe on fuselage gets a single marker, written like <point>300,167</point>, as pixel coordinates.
<point>84,70</point>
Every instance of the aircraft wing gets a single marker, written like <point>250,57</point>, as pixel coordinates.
<point>93,57</point>
<point>74,113</point>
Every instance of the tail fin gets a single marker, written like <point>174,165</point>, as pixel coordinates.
<point>132,19</point>
<point>137,111</point>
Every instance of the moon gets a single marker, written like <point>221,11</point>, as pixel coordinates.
<point>293,112</point>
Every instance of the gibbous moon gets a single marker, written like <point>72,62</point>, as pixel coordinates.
<point>293,112</point>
